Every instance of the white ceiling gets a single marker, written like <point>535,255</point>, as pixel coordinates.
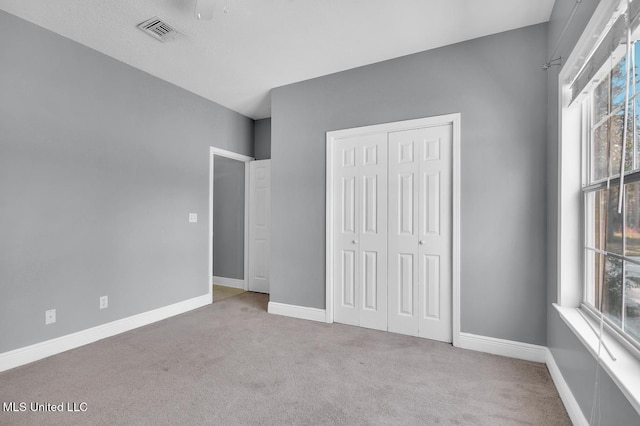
<point>236,58</point>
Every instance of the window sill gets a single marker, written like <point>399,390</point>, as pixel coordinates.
<point>624,371</point>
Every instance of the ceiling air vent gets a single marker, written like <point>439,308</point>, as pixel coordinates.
<point>158,29</point>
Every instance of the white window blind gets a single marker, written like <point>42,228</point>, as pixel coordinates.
<point>614,38</point>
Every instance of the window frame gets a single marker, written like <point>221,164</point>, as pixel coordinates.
<point>588,125</point>
<point>624,370</point>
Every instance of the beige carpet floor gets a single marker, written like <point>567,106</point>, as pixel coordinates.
<point>232,363</point>
<point>221,292</point>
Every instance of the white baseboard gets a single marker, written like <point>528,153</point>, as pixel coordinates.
<point>230,282</point>
<point>294,311</point>
<point>570,404</point>
<point>528,352</point>
<point>502,347</point>
<point>27,354</point>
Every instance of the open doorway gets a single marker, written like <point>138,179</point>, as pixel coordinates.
<point>228,223</point>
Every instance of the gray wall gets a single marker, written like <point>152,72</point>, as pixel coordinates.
<point>575,362</point>
<point>100,165</point>
<point>228,218</point>
<point>262,139</point>
<point>497,85</point>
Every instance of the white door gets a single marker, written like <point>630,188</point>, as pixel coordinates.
<point>259,208</point>
<point>360,232</point>
<point>420,229</point>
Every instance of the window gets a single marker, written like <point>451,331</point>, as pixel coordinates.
<point>598,268</point>
<point>611,200</point>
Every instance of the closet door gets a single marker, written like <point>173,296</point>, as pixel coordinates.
<point>420,209</point>
<point>373,231</point>
<point>360,231</point>
<point>403,232</point>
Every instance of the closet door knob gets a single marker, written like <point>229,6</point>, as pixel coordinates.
<point>355,241</point>
<point>422,242</point>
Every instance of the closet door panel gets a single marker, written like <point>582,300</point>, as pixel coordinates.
<point>373,231</point>
<point>435,233</point>
<point>403,233</point>
<point>346,233</point>
<point>360,236</point>
<point>420,232</point>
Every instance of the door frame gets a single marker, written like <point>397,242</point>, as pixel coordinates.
<point>246,159</point>
<point>441,120</point>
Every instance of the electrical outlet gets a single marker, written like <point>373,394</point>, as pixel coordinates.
<point>193,217</point>
<point>104,302</point>
<point>50,316</point>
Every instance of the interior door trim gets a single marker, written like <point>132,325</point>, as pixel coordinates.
<point>246,159</point>
<point>331,137</point>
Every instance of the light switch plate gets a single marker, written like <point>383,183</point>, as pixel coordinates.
<point>50,316</point>
<point>193,217</point>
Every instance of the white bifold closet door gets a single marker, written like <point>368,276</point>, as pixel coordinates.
<point>420,213</point>
<point>360,232</point>
<point>392,238</point>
